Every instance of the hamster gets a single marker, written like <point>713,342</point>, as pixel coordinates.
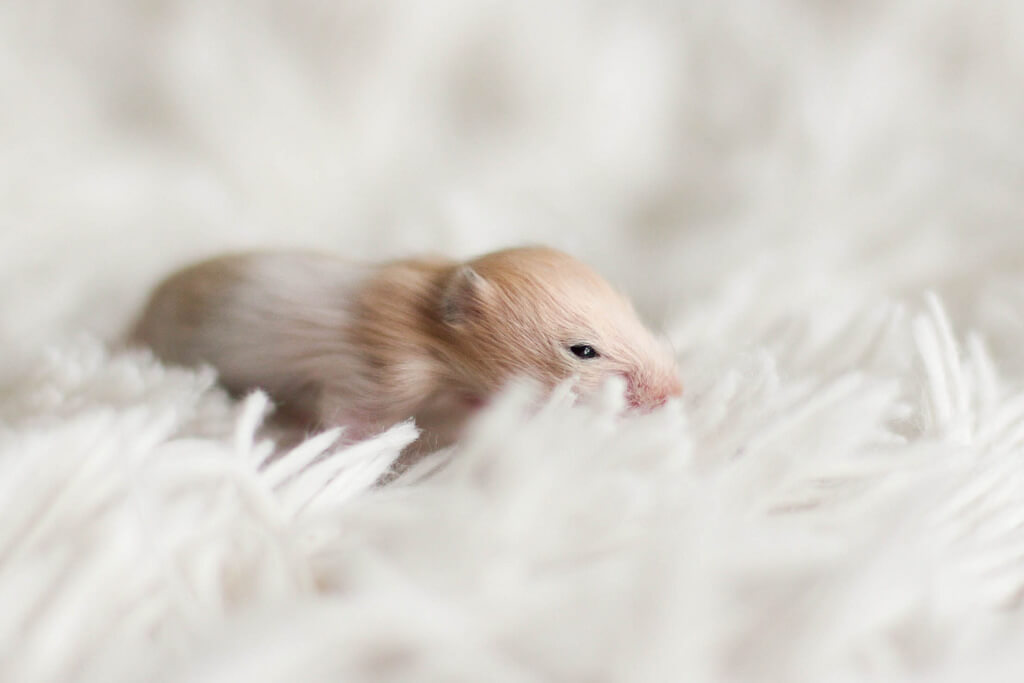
<point>367,346</point>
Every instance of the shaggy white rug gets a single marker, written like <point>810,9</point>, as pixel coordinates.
<point>821,202</point>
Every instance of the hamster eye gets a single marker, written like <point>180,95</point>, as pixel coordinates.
<point>584,351</point>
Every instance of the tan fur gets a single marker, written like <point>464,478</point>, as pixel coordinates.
<point>370,345</point>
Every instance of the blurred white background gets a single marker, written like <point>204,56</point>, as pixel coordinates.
<point>819,151</point>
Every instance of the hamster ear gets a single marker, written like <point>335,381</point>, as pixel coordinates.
<point>463,296</point>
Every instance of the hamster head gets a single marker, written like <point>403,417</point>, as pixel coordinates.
<point>539,313</point>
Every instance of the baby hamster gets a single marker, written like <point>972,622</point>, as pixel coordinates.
<point>367,346</point>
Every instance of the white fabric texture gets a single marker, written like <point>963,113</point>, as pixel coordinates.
<point>821,203</point>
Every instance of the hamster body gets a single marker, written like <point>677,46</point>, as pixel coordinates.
<point>367,346</point>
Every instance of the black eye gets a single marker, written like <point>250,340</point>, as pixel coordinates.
<point>584,351</point>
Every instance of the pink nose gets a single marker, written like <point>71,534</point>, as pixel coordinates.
<point>648,396</point>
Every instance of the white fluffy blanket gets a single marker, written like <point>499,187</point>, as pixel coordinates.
<point>821,202</point>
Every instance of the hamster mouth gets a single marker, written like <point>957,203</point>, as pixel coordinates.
<point>472,401</point>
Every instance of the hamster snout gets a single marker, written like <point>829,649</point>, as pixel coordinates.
<point>646,393</point>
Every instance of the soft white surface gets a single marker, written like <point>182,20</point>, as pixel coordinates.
<point>780,185</point>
